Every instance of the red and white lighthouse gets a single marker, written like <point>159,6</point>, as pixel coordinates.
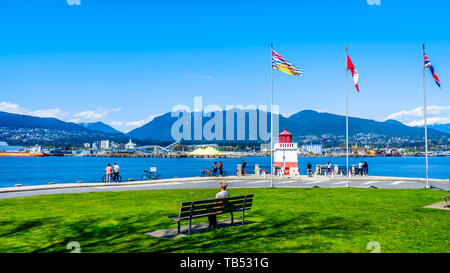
<point>286,155</point>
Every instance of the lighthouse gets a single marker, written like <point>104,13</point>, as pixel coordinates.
<point>286,155</point>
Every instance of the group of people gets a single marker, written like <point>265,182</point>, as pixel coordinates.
<point>217,169</point>
<point>112,173</point>
<point>363,168</point>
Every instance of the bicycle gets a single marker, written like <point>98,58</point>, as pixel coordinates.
<point>208,172</point>
<point>244,172</point>
<point>149,175</point>
<point>119,178</point>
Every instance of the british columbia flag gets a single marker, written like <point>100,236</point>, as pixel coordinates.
<point>281,64</point>
<point>427,63</point>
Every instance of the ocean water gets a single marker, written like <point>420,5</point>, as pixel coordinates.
<point>41,170</point>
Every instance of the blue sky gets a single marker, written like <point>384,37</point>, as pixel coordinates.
<point>123,62</point>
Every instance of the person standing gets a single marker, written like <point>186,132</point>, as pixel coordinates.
<point>116,170</point>
<point>328,167</point>
<point>309,167</point>
<point>220,168</point>
<point>214,167</point>
<point>243,167</point>
<point>366,168</point>
<point>109,171</point>
<point>360,168</point>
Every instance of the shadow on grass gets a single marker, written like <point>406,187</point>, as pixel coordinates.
<point>292,230</point>
<point>94,234</point>
<point>126,234</point>
<point>22,226</point>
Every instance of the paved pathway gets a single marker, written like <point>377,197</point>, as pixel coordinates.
<point>234,182</point>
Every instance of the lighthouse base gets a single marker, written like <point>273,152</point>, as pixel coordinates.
<point>290,169</point>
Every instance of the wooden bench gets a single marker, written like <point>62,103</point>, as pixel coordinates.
<point>445,199</point>
<point>204,208</point>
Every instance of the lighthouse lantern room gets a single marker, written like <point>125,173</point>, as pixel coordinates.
<point>286,155</point>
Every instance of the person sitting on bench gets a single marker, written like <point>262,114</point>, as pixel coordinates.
<point>221,194</point>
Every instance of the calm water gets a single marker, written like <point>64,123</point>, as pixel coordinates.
<point>41,170</point>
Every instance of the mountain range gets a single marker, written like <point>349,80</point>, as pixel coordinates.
<point>440,127</point>
<point>18,129</point>
<point>306,126</point>
<point>100,127</point>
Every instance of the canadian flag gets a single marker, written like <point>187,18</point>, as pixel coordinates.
<point>355,73</point>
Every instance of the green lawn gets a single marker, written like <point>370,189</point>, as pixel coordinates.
<point>291,220</point>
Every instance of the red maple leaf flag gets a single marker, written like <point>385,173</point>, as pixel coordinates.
<point>355,74</point>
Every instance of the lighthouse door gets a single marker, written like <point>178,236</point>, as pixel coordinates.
<point>286,171</point>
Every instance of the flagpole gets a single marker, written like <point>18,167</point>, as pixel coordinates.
<point>346,116</point>
<point>271,117</point>
<point>427,185</point>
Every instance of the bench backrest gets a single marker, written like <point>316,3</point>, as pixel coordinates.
<point>215,206</point>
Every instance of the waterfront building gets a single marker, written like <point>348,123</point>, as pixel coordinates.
<point>313,148</point>
<point>87,145</point>
<point>36,149</point>
<point>81,152</point>
<point>208,151</point>
<point>130,145</point>
<point>105,144</point>
<point>265,147</point>
<point>286,154</point>
<point>4,147</point>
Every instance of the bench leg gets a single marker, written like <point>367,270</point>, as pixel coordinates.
<point>190,224</point>
<point>179,231</point>
<point>243,217</point>
<point>232,218</point>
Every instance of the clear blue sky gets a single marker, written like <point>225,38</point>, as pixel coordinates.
<point>124,61</point>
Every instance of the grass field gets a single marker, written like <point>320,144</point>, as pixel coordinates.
<point>291,220</point>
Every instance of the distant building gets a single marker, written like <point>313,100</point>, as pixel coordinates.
<point>36,149</point>
<point>265,147</point>
<point>341,151</point>
<point>94,146</point>
<point>313,148</point>
<point>81,152</point>
<point>105,144</point>
<point>130,145</point>
<point>4,147</point>
<point>87,145</point>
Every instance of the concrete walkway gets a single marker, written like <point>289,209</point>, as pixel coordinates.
<point>250,181</point>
